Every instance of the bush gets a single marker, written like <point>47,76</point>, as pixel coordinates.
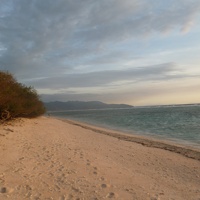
<point>18,100</point>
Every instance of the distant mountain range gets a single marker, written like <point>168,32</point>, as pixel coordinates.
<point>80,105</point>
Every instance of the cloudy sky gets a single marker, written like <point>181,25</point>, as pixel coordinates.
<point>140,52</point>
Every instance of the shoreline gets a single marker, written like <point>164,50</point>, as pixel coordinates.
<point>47,158</point>
<point>158,127</point>
<point>175,141</point>
<point>184,150</point>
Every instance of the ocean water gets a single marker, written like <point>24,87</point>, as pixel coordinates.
<point>179,124</point>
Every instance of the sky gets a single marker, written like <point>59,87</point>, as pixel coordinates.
<point>138,52</point>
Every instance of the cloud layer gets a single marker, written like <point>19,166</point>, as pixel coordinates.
<point>109,77</point>
<point>87,43</point>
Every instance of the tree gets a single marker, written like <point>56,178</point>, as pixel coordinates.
<point>18,100</point>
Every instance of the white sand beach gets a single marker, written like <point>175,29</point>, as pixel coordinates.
<point>47,158</point>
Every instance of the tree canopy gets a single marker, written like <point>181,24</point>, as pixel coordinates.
<point>18,100</point>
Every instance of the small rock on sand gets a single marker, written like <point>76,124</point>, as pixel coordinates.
<point>3,190</point>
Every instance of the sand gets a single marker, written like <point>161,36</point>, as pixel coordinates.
<point>47,158</point>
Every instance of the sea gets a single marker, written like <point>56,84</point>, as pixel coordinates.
<point>178,124</point>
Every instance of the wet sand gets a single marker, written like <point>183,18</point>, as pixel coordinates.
<point>48,158</point>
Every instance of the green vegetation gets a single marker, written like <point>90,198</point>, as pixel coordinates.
<point>17,100</point>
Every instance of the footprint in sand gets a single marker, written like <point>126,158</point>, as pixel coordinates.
<point>57,188</point>
<point>88,162</point>
<point>22,158</point>
<point>2,179</point>
<point>104,185</point>
<point>95,172</point>
<point>70,196</point>
<point>62,197</point>
<point>110,195</point>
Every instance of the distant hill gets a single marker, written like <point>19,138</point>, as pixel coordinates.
<point>80,105</point>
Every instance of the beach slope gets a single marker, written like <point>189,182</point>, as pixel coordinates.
<point>47,158</point>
